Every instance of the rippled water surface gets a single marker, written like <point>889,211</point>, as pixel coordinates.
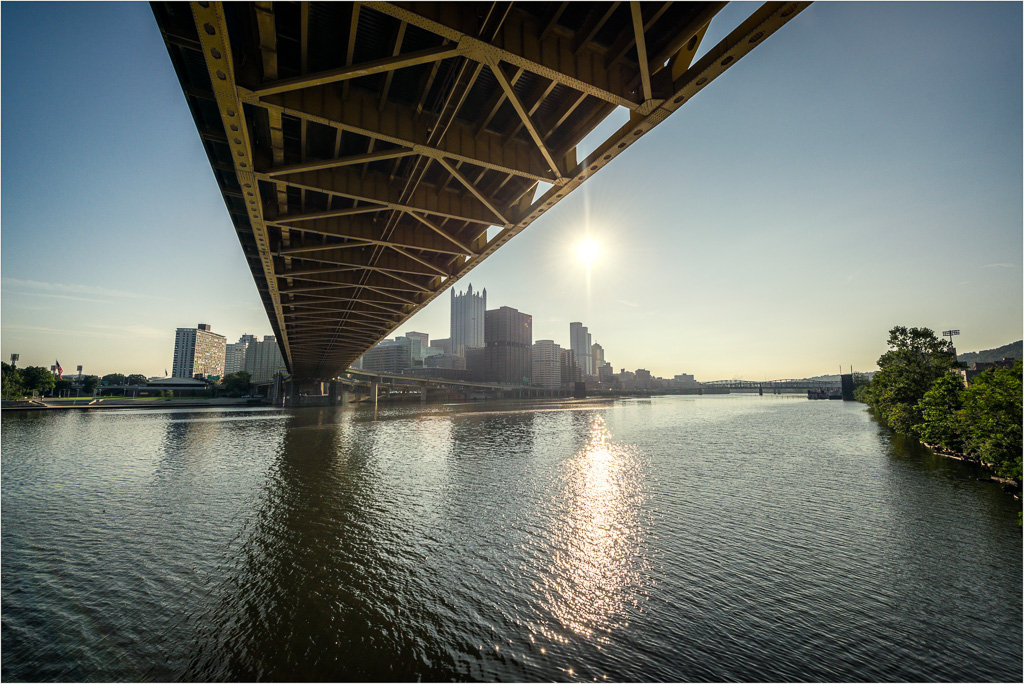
<point>677,538</point>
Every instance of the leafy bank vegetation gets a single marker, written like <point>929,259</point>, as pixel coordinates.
<point>918,392</point>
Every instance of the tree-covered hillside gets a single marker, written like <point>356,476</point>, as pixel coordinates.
<point>1010,351</point>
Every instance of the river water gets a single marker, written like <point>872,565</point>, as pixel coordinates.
<point>677,538</point>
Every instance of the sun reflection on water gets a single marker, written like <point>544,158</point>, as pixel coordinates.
<point>598,564</point>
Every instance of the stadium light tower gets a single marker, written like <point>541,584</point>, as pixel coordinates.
<point>949,334</point>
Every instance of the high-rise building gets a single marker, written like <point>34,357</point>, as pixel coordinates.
<point>467,320</point>
<point>547,364</point>
<point>580,343</point>
<point>449,361</point>
<point>508,335</point>
<point>596,357</point>
<point>197,351</point>
<point>234,356</point>
<point>570,370</point>
<point>445,345</point>
<point>390,356</point>
<point>419,350</point>
<point>263,359</point>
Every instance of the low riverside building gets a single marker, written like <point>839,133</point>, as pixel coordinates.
<point>980,367</point>
<point>179,387</point>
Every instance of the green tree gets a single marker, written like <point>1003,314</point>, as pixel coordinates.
<point>89,384</point>
<point>992,419</point>
<point>942,422</point>
<point>916,359</point>
<point>237,384</point>
<point>136,379</point>
<point>13,386</point>
<point>38,379</point>
<point>861,387</point>
<point>112,379</point>
<point>62,387</point>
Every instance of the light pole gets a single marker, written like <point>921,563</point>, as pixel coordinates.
<point>949,334</point>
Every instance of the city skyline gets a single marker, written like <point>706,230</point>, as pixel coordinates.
<point>778,225</point>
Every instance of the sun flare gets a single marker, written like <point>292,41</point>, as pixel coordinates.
<point>587,251</point>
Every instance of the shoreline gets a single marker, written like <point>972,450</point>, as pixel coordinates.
<point>1008,483</point>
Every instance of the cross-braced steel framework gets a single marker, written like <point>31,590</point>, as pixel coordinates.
<point>365,149</point>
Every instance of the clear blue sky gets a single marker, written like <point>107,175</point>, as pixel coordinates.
<point>861,169</point>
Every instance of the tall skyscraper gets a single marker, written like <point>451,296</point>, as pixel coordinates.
<point>547,364</point>
<point>234,356</point>
<point>263,359</point>
<point>467,320</point>
<point>508,335</point>
<point>580,343</point>
<point>596,357</point>
<point>198,351</point>
<point>570,370</point>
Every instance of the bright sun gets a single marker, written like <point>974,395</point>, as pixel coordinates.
<point>587,251</point>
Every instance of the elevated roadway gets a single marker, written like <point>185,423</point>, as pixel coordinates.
<point>371,154</point>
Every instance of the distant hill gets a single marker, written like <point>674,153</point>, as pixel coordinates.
<point>1010,351</point>
<point>835,378</point>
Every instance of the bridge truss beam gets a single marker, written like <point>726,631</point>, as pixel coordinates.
<point>365,149</point>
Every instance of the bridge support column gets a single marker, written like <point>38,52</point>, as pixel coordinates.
<point>423,394</point>
<point>344,396</point>
<point>291,394</point>
<point>373,393</point>
<point>760,390</point>
<point>332,393</point>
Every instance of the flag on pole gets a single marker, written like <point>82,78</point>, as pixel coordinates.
<point>60,371</point>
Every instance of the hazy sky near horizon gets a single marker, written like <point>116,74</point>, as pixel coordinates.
<point>861,169</point>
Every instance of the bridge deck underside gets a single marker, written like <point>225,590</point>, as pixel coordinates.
<point>364,150</point>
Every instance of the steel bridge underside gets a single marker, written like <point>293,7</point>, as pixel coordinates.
<point>364,150</point>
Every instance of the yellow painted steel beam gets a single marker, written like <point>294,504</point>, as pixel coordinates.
<point>377,66</point>
<point>212,29</point>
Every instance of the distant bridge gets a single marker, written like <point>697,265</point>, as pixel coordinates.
<point>772,385</point>
<point>365,149</point>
